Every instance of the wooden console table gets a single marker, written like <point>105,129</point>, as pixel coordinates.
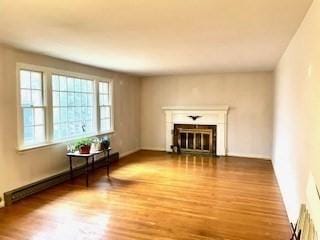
<point>71,156</point>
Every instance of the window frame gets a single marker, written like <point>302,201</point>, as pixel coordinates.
<point>109,105</point>
<point>20,127</point>
<point>47,73</point>
<point>95,128</point>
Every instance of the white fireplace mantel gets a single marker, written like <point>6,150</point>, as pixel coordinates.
<point>209,115</point>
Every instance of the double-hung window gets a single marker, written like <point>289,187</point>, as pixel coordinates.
<point>32,107</point>
<point>105,106</point>
<point>58,106</point>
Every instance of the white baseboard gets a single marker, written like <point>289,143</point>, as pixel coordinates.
<point>231,154</point>
<point>153,149</point>
<point>122,155</point>
<point>258,156</point>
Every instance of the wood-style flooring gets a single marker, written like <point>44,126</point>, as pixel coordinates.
<point>155,195</point>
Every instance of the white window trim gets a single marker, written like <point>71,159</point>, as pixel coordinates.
<point>47,96</point>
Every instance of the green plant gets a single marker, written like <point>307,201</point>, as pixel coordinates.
<point>82,142</point>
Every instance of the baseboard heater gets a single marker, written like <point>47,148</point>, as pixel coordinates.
<point>30,189</point>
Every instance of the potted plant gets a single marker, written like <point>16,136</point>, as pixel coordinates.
<point>96,144</point>
<point>105,143</point>
<point>83,145</point>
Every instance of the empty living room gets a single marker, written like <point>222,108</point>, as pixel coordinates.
<point>180,119</point>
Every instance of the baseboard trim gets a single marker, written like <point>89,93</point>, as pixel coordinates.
<point>122,155</point>
<point>256,156</point>
<point>43,184</point>
<point>153,149</point>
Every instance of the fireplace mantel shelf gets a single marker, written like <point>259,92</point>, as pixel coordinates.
<point>197,108</point>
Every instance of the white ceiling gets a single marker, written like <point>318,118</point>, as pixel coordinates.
<point>156,37</point>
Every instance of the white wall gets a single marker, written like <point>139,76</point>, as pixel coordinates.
<point>297,113</point>
<point>17,168</point>
<point>249,95</point>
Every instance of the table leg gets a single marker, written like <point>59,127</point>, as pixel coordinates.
<point>71,170</point>
<point>92,163</point>
<point>87,175</point>
<point>108,162</point>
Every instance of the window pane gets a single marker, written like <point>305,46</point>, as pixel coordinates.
<point>106,99</point>
<point>108,112</point>
<point>84,86</point>
<point>27,116</point>
<point>101,100</point>
<point>28,135</point>
<point>55,82</point>
<point>77,113</point>
<point>77,99</point>
<point>77,85</point>
<point>39,116</point>
<point>71,84</point>
<point>64,130</point>
<point>25,79</point>
<point>103,87</point>
<point>90,86</point>
<point>89,126</point>
<point>56,115</point>
<point>71,129</point>
<point>70,99</point>
<point>103,112</point>
<point>39,134</point>
<point>25,97</point>
<point>84,99</point>
<point>83,113</point>
<point>90,99</point>
<point>89,113</point>
<point>63,83</point>
<point>63,99</point>
<point>108,124</point>
<point>36,80</point>
<point>71,114</point>
<point>37,97</point>
<point>78,128</point>
<point>56,131</point>
<point>105,124</point>
<point>63,115</point>
<point>55,99</point>
<point>100,87</point>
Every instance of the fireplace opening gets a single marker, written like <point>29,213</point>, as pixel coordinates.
<point>195,138</point>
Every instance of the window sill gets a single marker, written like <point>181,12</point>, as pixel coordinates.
<point>62,142</point>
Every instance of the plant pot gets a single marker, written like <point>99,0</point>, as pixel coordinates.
<point>95,147</point>
<point>98,146</point>
<point>85,149</point>
<point>105,144</point>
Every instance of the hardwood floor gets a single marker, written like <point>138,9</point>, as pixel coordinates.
<point>154,195</point>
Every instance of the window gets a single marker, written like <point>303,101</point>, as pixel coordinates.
<point>105,106</point>
<point>56,106</point>
<point>72,101</point>
<point>32,107</point>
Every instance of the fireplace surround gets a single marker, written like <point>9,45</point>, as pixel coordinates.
<point>195,138</point>
<point>198,115</point>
